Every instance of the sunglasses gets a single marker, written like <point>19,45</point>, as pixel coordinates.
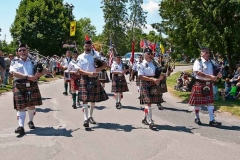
<point>22,50</point>
<point>118,57</point>
<point>149,53</point>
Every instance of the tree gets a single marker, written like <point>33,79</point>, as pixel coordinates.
<point>42,24</point>
<point>215,23</point>
<point>116,20</point>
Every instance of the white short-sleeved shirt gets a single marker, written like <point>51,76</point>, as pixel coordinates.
<point>146,68</point>
<point>116,67</point>
<point>86,61</point>
<point>203,66</point>
<point>73,65</point>
<point>66,61</point>
<point>22,67</point>
<point>136,66</point>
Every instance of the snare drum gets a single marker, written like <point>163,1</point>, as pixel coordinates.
<point>102,76</point>
<point>67,76</point>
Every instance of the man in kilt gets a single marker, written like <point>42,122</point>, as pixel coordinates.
<point>148,85</point>
<point>90,89</point>
<point>75,77</point>
<point>202,90</point>
<point>119,83</point>
<point>103,76</point>
<point>65,64</point>
<point>26,94</point>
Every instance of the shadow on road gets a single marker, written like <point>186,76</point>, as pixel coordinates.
<point>131,107</point>
<point>174,128</point>
<point>44,110</point>
<point>177,110</point>
<point>45,99</point>
<point>100,107</point>
<point>231,128</point>
<point>115,126</point>
<point>50,131</point>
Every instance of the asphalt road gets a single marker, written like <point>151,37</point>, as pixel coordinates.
<point>119,134</point>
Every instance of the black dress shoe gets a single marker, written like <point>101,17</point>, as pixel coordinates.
<point>91,120</point>
<point>65,93</point>
<point>144,121</point>
<point>20,130</point>
<point>214,123</point>
<point>86,124</point>
<point>74,106</point>
<point>118,105</point>
<point>151,124</point>
<point>197,121</point>
<point>160,107</point>
<point>31,125</point>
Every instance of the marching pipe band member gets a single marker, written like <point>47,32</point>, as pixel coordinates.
<point>75,77</point>
<point>202,90</point>
<point>65,64</point>
<point>135,69</point>
<point>146,75</point>
<point>119,83</point>
<point>90,89</point>
<point>26,94</point>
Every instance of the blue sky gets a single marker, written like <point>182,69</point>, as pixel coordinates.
<point>90,9</point>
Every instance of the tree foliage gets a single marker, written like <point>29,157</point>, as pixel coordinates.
<point>214,23</point>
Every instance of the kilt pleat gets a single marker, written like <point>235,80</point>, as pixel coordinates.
<point>20,101</point>
<point>119,84</point>
<point>73,82</point>
<point>96,94</point>
<point>145,96</point>
<point>197,98</point>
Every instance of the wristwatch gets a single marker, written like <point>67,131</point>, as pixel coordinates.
<point>27,77</point>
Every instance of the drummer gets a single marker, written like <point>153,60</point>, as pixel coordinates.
<point>67,78</point>
<point>119,83</point>
<point>75,77</point>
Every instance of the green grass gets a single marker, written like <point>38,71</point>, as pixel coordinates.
<point>232,107</point>
<point>6,89</point>
<point>182,64</point>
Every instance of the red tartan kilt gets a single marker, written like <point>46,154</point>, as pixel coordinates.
<point>119,87</point>
<point>197,98</point>
<point>97,94</point>
<point>74,86</point>
<point>19,97</point>
<point>145,96</point>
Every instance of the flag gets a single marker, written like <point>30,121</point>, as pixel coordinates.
<point>73,28</point>
<point>158,47</point>
<point>145,43</point>
<point>87,38</point>
<point>110,54</point>
<point>141,44</point>
<point>162,48</point>
<point>132,57</point>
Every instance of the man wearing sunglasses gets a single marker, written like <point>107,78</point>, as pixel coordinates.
<point>26,93</point>
<point>202,90</point>
<point>148,82</point>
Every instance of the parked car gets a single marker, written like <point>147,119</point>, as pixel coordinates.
<point>126,57</point>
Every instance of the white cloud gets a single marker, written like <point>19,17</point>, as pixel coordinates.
<point>152,6</point>
<point>148,29</point>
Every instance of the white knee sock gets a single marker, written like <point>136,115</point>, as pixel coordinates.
<point>197,109</point>
<point>117,98</point>
<point>91,109</point>
<point>21,115</point>
<point>85,111</point>
<point>149,114</point>
<point>31,114</point>
<point>211,112</point>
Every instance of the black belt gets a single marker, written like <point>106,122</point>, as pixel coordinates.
<point>204,82</point>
